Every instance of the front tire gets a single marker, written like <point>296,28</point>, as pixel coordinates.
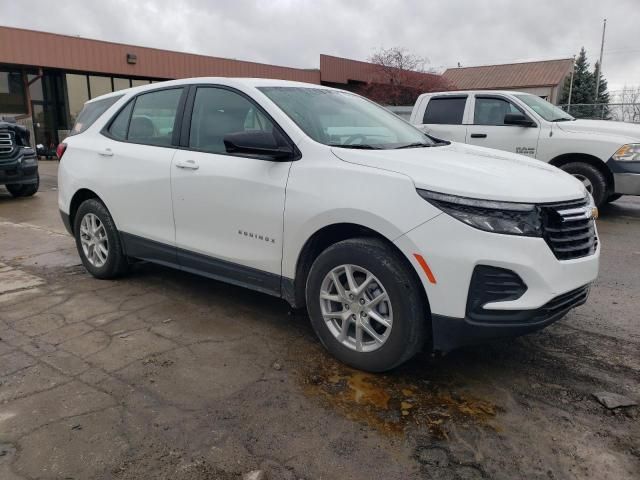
<point>365,304</point>
<point>592,178</point>
<point>98,241</point>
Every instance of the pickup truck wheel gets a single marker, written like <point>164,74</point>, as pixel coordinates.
<point>21,190</point>
<point>98,241</point>
<point>614,197</point>
<point>592,178</point>
<point>365,305</point>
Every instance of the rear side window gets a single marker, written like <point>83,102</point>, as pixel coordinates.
<point>491,111</point>
<point>91,112</point>
<point>445,110</point>
<point>148,119</point>
<point>120,124</point>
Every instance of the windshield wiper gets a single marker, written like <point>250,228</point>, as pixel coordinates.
<point>360,146</point>
<point>414,145</point>
<point>562,119</point>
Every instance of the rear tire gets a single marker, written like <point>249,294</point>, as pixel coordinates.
<point>593,179</point>
<point>389,277</point>
<point>24,190</point>
<point>111,264</point>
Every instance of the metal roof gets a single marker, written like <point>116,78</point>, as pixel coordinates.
<point>512,75</point>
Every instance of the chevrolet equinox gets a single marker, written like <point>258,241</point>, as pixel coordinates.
<point>391,239</point>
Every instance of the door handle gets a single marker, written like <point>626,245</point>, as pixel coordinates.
<point>478,135</point>
<point>106,152</point>
<point>187,164</point>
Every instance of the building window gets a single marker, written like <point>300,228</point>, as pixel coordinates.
<point>77,94</point>
<point>121,83</point>
<point>12,95</point>
<point>99,86</point>
<point>136,82</point>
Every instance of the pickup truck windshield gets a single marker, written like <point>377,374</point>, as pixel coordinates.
<point>546,110</point>
<point>342,119</point>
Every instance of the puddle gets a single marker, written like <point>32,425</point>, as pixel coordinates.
<point>393,402</point>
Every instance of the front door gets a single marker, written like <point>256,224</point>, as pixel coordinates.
<point>228,208</point>
<point>488,128</point>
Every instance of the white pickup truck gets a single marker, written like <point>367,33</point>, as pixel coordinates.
<point>604,155</point>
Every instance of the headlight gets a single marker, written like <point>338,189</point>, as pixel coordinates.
<point>490,216</point>
<point>628,153</point>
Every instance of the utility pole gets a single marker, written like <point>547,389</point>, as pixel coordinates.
<point>573,69</point>
<point>604,27</point>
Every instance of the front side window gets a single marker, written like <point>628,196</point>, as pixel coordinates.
<point>218,112</point>
<point>91,112</point>
<point>445,111</point>
<point>342,119</point>
<point>152,118</point>
<point>491,111</point>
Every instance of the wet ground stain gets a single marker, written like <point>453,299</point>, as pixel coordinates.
<point>396,401</point>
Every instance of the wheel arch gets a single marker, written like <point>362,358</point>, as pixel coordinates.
<point>592,160</point>
<point>80,196</point>
<point>324,238</point>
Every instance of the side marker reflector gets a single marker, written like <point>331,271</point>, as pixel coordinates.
<point>425,267</point>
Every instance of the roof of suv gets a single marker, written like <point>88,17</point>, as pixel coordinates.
<point>228,81</point>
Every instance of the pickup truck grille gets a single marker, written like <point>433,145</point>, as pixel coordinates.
<point>6,143</point>
<point>569,229</point>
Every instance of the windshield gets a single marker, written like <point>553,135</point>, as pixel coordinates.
<point>545,109</point>
<point>342,119</point>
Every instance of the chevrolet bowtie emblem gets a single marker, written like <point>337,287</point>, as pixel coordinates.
<point>594,213</point>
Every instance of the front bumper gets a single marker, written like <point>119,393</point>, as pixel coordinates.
<point>452,251</point>
<point>15,172</point>
<point>626,177</point>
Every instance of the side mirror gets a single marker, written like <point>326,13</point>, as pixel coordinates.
<point>518,119</point>
<point>260,144</point>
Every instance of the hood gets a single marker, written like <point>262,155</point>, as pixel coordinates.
<point>604,127</point>
<point>474,172</point>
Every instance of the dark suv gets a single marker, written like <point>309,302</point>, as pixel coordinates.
<point>18,161</point>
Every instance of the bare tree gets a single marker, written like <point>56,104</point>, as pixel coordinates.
<point>629,98</point>
<point>399,77</point>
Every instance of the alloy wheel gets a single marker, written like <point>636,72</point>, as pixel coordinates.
<point>356,308</point>
<point>585,181</point>
<point>94,241</point>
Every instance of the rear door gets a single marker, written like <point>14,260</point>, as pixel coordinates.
<point>487,128</point>
<point>137,148</point>
<point>443,118</point>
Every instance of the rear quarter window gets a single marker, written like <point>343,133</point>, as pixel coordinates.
<point>91,112</point>
<point>445,110</point>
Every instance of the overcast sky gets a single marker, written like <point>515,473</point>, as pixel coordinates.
<point>295,32</point>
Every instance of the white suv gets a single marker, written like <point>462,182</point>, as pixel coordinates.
<point>391,240</point>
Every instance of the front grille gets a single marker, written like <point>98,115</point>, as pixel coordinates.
<point>569,229</point>
<point>6,143</point>
<point>563,303</point>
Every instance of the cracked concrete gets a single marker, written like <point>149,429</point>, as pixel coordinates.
<point>166,375</point>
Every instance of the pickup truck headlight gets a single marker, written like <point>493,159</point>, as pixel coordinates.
<point>497,217</point>
<point>628,153</point>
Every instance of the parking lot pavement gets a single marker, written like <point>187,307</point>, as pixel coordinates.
<point>165,375</point>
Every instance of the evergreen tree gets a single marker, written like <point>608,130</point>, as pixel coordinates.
<point>603,95</point>
<point>584,86</point>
